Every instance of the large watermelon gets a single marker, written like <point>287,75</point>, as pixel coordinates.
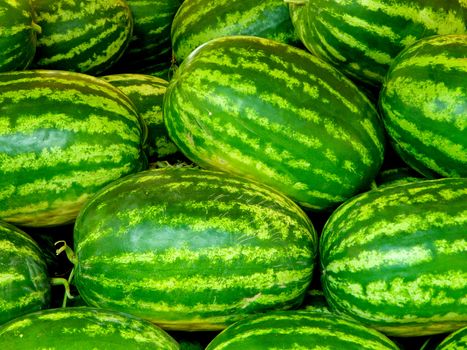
<point>83,328</point>
<point>18,33</point>
<point>86,36</point>
<point>24,283</point>
<point>63,136</point>
<point>198,21</point>
<point>424,105</point>
<point>276,114</point>
<point>299,330</point>
<point>362,37</point>
<point>395,258</point>
<point>192,249</point>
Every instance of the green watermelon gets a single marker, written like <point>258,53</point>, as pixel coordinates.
<point>83,328</point>
<point>18,33</point>
<point>86,36</point>
<point>147,93</point>
<point>192,249</point>
<point>362,37</point>
<point>394,258</point>
<point>424,105</point>
<point>455,341</point>
<point>299,330</point>
<point>198,21</point>
<point>24,283</point>
<point>63,136</point>
<point>276,114</point>
<point>150,48</point>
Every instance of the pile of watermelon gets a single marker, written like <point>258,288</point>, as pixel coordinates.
<point>233,174</point>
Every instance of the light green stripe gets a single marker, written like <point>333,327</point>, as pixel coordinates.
<point>70,15</point>
<point>257,281</point>
<point>15,326</point>
<point>441,61</point>
<point>34,297</point>
<point>401,224</point>
<point>420,95</point>
<point>373,259</point>
<point>443,246</point>
<point>441,22</point>
<point>384,32</point>
<point>425,290</point>
<point>7,247</point>
<point>7,278</point>
<point>72,96</point>
<point>83,155</point>
<point>90,124</point>
<point>226,256</point>
<point>14,30</point>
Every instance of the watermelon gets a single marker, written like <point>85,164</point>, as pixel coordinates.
<point>147,93</point>
<point>455,341</point>
<point>79,328</point>
<point>150,48</point>
<point>278,115</point>
<point>394,258</point>
<point>197,22</point>
<point>24,283</point>
<point>424,105</point>
<point>18,33</point>
<point>192,249</point>
<point>63,136</point>
<point>86,36</point>
<point>362,37</point>
<point>297,330</point>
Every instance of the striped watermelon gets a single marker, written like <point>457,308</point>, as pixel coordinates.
<point>86,36</point>
<point>150,48</point>
<point>192,249</point>
<point>198,21</point>
<point>394,258</point>
<point>455,341</point>
<point>299,330</point>
<point>83,328</point>
<point>63,136</point>
<point>276,114</point>
<point>18,33</point>
<point>362,37</point>
<point>424,105</point>
<point>24,283</point>
<point>147,93</point>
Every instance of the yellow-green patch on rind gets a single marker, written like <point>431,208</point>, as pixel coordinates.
<point>200,245</point>
<point>392,257</point>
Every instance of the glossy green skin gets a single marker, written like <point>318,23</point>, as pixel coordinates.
<point>24,283</point>
<point>192,249</point>
<point>424,105</point>
<point>455,341</point>
<point>394,258</point>
<point>77,328</point>
<point>150,48</point>
<point>17,35</point>
<point>361,38</point>
<point>63,136</point>
<point>278,115</point>
<point>296,330</point>
<point>197,22</point>
<point>86,36</point>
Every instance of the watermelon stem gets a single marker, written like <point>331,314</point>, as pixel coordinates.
<point>37,28</point>
<point>68,251</point>
<point>60,281</point>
